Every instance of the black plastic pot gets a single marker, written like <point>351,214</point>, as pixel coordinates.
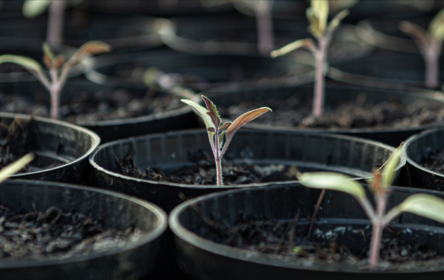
<point>384,32</point>
<point>204,71</point>
<point>108,130</point>
<point>307,151</point>
<point>236,34</point>
<point>418,147</point>
<point>336,93</point>
<point>387,70</point>
<point>122,32</point>
<point>134,259</point>
<point>54,142</point>
<point>341,217</point>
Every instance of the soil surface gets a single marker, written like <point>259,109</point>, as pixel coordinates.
<point>87,107</point>
<point>287,239</point>
<point>202,171</point>
<point>296,112</point>
<point>56,234</point>
<point>434,161</point>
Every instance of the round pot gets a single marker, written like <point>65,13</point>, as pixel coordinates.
<point>341,217</point>
<point>201,72</point>
<point>122,32</point>
<point>307,151</point>
<point>32,48</point>
<point>134,259</point>
<point>386,70</point>
<point>235,34</point>
<point>32,98</point>
<point>384,32</point>
<point>336,93</point>
<point>418,148</point>
<point>58,144</point>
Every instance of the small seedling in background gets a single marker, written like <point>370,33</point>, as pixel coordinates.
<point>58,68</point>
<point>420,204</point>
<point>220,134</point>
<point>54,34</point>
<point>429,44</point>
<point>264,20</point>
<point>317,15</point>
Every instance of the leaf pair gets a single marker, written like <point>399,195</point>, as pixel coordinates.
<point>212,120</point>
<point>317,16</point>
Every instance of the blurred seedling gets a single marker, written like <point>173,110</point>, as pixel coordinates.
<point>54,34</point>
<point>264,20</point>
<point>220,134</point>
<point>15,167</point>
<point>58,68</point>
<point>420,204</point>
<point>317,16</point>
<point>429,44</point>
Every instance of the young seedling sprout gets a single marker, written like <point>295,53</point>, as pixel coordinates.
<point>317,15</point>
<point>15,167</point>
<point>220,134</point>
<point>420,204</point>
<point>58,68</point>
<point>33,8</point>
<point>429,44</point>
<point>264,20</point>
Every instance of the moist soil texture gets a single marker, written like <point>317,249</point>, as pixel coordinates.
<point>202,171</point>
<point>87,107</point>
<point>296,112</point>
<point>434,161</point>
<point>56,234</point>
<point>289,241</point>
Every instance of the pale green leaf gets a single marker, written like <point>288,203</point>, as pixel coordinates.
<point>389,171</point>
<point>26,62</point>
<point>308,43</point>
<point>314,23</point>
<point>47,51</point>
<point>15,167</point>
<point>332,181</point>
<point>320,9</point>
<point>201,111</point>
<point>424,205</point>
<point>436,27</point>
<point>34,8</point>
<point>336,21</point>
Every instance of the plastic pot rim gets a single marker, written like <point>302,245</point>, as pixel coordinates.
<point>96,166</point>
<point>204,244</point>
<point>160,228</point>
<point>408,91</point>
<point>414,163</point>
<point>95,140</point>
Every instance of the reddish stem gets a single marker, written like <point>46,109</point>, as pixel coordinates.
<point>217,158</point>
<point>264,23</point>
<point>321,58</point>
<point>55,24</point>
<point>55,102</point>
<point>375,243</point>
<point>431,57</point>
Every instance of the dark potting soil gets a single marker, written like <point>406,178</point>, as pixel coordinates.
<point>87,107</point>
<point>434,160</point>
<point>202,171</point>
<point>13,141</point>
<point>289,240</point>
<point>296,112</point>
<point>56,234</point>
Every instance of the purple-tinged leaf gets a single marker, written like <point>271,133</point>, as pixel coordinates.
<point>201,111</point>
<point>212,111</point>
<point>211,129</point>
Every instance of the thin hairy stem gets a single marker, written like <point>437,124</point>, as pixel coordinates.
<point>264,23</point>
<point>313,217</point>
<point>431,57</point>
<point>377,228</point>
<point>217,158</point>
<point>321,59</point>
<point>55,24</point>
